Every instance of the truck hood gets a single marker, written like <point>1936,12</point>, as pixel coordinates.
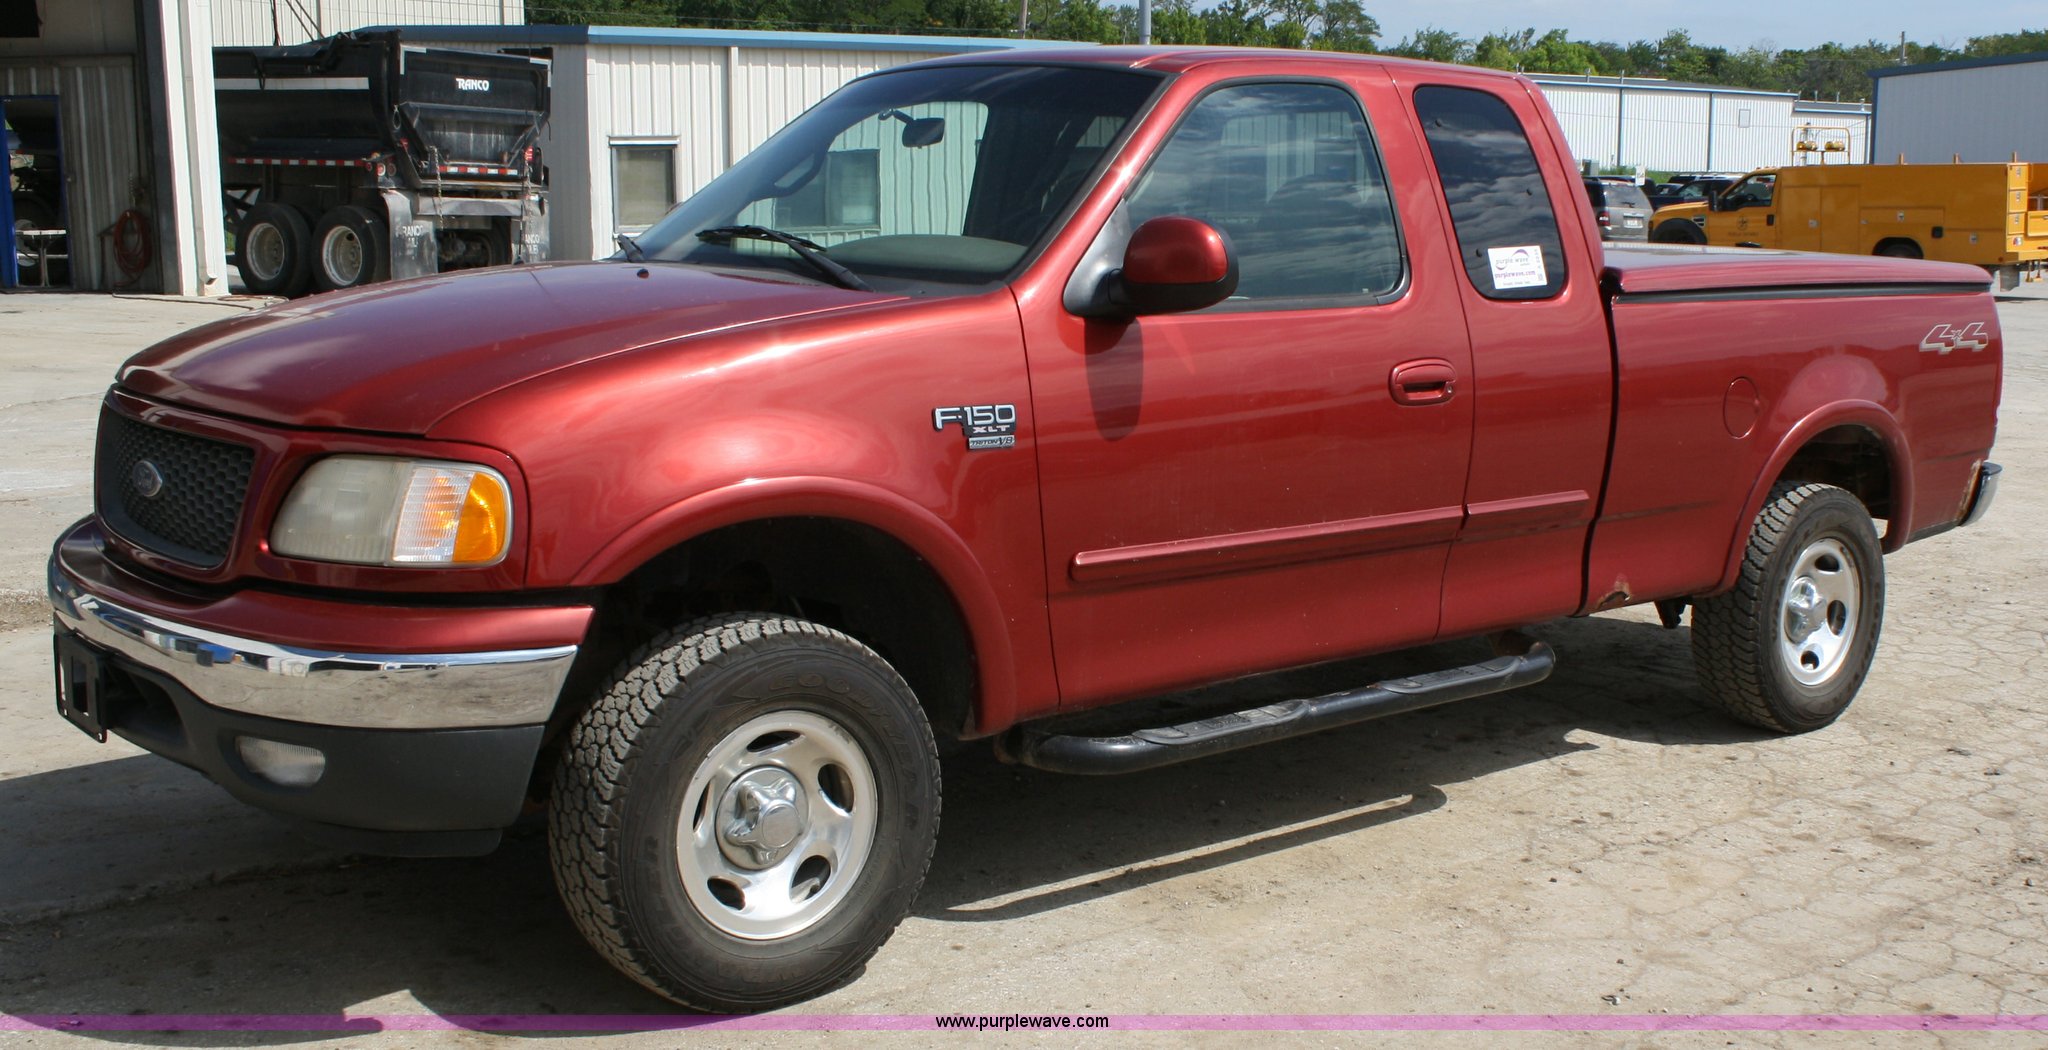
<point>395,358</point>
<point>1650,269</point>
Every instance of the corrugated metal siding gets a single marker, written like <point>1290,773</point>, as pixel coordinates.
<point>1665,125</point>
<point>671,93</point>
<point>261,22</point>
<point>1983,113</point>
<point>772,85</point>
<point>1587,116</point>
<point>1669,130</point>
<point>98,122</point>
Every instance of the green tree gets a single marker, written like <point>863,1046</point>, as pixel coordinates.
<point>1433,45</point>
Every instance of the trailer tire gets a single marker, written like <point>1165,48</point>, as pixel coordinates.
<point>746,812</point>
<point>1899,248</point>
<point>1788,648</point>
<point>273,250</point>
<point>352,248</point>
<point>1678,231</point>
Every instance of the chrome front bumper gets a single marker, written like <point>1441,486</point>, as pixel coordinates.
<point>352,689</point>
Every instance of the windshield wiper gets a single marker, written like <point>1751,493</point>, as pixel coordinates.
<point>631,247</point>
<point>807,250</point>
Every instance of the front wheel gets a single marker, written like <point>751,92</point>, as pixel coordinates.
<point>1788,648</point>
<point>1678,231</point>
<point>745,814</point>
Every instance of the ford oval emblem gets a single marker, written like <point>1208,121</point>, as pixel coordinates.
<point>146,478</point>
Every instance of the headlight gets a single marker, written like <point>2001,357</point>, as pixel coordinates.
<point>377,510</point>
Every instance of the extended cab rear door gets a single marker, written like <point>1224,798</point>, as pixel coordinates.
<point>1542,382</point>
<point>1243,487</point>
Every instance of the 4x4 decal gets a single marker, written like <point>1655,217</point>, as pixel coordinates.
<point>1944,338</point>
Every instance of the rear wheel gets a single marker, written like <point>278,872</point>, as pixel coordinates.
<point>1788,648</point>
<point>744,816</point>
<point>273,249</point>
<point>352,248</point>
<point>1899,250</point>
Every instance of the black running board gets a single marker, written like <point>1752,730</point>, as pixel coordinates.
<point>1527,663</point>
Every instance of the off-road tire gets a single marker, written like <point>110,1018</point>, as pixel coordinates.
<point>1736,637</point>
<point>620,790</point>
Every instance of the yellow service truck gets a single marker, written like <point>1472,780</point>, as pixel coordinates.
<point>1992,215</point>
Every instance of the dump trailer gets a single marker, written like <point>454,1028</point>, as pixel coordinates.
<point>1989,215</point>
<point>357,159</point>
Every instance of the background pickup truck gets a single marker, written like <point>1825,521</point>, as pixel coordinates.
<point>992,390</point>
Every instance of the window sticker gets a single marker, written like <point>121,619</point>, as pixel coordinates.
<point>1517,267</point>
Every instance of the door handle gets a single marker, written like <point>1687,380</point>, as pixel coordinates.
<point>1771,219</point>
<point>1430,381</point>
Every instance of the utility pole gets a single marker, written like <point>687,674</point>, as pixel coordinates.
<point>1023,18</point>
<point>1144,21</point>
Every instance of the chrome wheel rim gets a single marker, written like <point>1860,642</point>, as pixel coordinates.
<point>341,252</point>
<point>1818,612</point>
<point>264,251</point>
<point>776,826</point>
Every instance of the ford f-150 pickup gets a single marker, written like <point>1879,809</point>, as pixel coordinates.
<point>992,390</point>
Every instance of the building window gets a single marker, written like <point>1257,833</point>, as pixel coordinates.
<point>847,194</point>
<point>643,183</point>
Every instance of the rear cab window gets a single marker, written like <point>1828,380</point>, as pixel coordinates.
<point>1506,230</point>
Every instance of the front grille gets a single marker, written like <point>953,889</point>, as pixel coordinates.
<point>191,516</point>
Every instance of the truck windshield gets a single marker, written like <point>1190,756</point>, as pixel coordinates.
<point>945,175</point>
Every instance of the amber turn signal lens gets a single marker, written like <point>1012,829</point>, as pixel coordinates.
<point>486,521</point>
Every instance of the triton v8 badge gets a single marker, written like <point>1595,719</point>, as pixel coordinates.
<point>986,426</point>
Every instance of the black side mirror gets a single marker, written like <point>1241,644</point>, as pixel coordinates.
<point>918,132</point>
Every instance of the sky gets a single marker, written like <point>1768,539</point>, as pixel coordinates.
<point>1799,24</point>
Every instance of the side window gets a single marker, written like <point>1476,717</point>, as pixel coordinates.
<point>1289,173</point>
<point>1753,192</point>
<point>1507,231</point>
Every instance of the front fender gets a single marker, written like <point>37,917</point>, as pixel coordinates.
<point>824,497</point>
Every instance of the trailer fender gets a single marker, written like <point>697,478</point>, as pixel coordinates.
<point>415,250</point>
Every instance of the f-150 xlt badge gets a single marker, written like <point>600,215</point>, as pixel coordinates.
<point>986,426</point>
<point>1944,338</point>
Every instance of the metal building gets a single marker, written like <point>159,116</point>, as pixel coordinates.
<point>643,118</point>
<point>1669,125</point>
<point>257,23</point>
<point>112,157</point>
<point>1983,110</point>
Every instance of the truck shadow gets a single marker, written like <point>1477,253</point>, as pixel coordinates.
<point>484,938</point>
<point>1019,842</point>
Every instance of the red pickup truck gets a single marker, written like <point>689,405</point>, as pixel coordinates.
<point>991,390</point>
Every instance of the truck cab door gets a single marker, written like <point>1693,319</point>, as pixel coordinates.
<point>1542,379</point>
<point>1274,480</point>
<point>1745,214</point>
